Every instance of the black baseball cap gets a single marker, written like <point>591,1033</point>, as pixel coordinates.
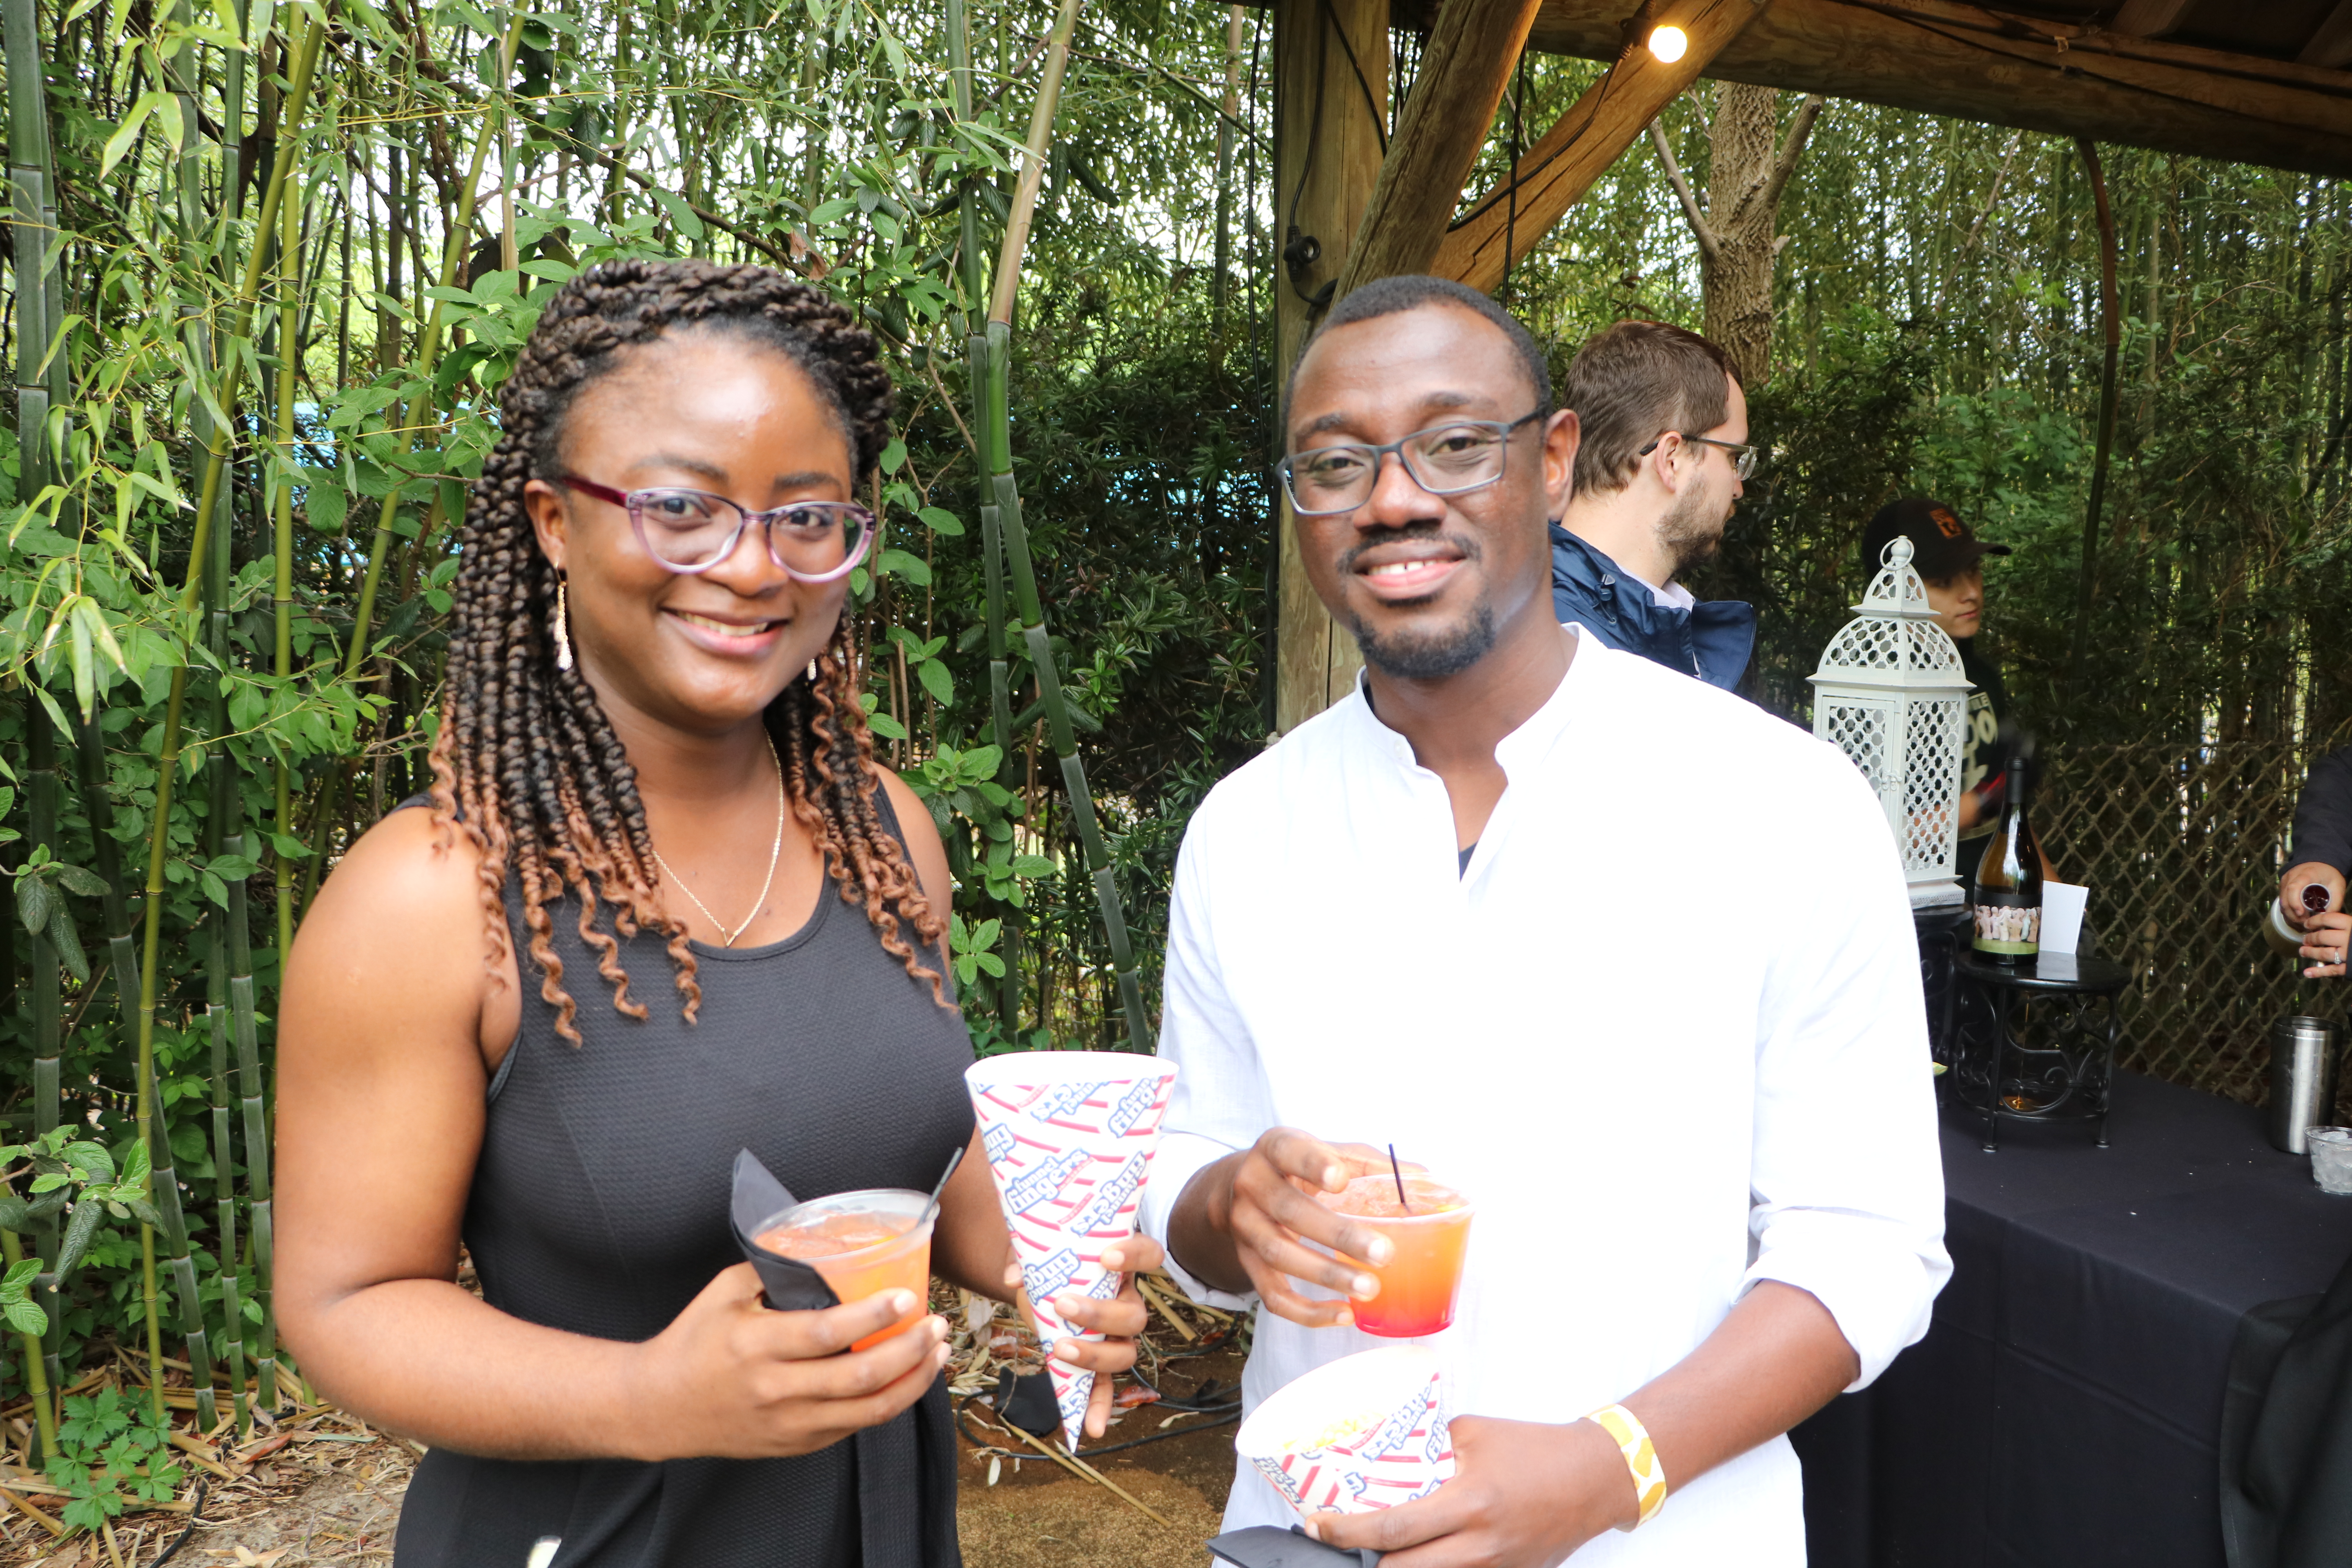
<point>1941,544</point>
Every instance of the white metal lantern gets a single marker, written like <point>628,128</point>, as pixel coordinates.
<point>1891,695</point>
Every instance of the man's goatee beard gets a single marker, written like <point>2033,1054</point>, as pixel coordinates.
<point>1409,657</point>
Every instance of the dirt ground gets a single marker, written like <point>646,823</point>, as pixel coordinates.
<point>331,1492</point>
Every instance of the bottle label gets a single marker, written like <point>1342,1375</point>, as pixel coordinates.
<point>2007,923</point>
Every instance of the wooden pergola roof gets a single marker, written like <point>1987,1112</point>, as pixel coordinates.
<point>2257,81</point>
<point>2254,81</point>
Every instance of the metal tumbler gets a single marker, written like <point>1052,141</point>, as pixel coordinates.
<point>2303,1081</point>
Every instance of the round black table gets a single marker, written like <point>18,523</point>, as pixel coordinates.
<point>2067,1071</point>
<point>1942,932</point>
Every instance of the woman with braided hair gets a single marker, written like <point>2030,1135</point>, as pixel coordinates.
<point>652,766</point>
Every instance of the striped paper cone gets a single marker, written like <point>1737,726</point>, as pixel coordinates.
<point>1366,1431</point>
<point>1069,1137</point>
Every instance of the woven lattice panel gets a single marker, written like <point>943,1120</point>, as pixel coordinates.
<point>1860,733</point>
<point>1930,777</point>
<point>2182,851</point>
<point>1868,643</point>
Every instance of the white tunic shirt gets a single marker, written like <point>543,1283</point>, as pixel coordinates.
<point>1661,1070</point>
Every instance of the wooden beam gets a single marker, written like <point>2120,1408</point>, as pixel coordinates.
<point>1465,66</point>
<point>1330,125</point>
<point>1963,61</point>
<point>2150,18</point>
<point>2331,47</point>
<point>1613,113</point>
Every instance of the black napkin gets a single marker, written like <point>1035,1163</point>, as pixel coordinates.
<point>760,1200</point>
<point>1264,1546</point>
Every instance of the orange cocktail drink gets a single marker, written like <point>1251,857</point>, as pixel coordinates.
<point>862,1244</point>
<point>1429,1228</point>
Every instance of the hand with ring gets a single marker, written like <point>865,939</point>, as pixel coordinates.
<point>2325,937</point>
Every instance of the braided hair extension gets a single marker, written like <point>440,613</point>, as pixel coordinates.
<point>527,765</point>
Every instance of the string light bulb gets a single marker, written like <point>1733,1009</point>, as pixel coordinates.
<point>1668,43</point>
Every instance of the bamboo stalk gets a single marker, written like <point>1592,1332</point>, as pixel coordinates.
<point>48,1036</point>
<point>36,1379</point>
<point>281,591</point>
<point>216,1024</point>
<point>1033,162</point>
<point>168,759</point>
<point>246,1024</point>
<point>257,1166</point>
<point>428,350</point>
<point>991,365</point>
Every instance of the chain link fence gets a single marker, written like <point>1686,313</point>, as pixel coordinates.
<point>2183,849</point>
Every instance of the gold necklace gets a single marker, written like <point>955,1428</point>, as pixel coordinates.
<point>775,852</point>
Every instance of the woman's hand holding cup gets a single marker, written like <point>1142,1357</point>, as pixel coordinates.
<point>729,1378</point>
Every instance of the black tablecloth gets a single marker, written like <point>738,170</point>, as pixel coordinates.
<point>2064,1410</point>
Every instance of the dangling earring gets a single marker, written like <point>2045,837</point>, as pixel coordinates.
<point>812,672</point>
<point>562,631</point>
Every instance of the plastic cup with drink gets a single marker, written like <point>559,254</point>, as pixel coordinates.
<point>861,1244</point>
<point>1428,1224</point>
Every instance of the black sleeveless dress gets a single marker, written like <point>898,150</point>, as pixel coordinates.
<point>599,1206</point>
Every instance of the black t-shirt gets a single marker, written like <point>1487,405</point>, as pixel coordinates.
<point>1983,758</point>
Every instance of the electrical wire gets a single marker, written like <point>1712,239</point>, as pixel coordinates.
<point>195,1517</point>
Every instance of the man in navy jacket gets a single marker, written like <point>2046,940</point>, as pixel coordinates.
<point>1659,467</point>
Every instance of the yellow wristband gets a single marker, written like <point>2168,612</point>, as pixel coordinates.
<point>1641,1458</point>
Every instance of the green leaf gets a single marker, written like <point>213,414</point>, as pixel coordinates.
<point>937,681</point>
<point>291,848</point>
<point>681,216</point>
<point>92,1158</point>
<point>19,1281</point>
<point>214,888</point>
<point>882,724</point>
<point>32,903</point>
<point>88,884</point>
<point>981,762</point>
<point>26,1318</point>
<point>899,564</point>
<point>125,135</point>
<point>79,1228</point>
<point>939,519</point>
<point>326,505</point>
<point>14,1213</point>
<point>1032,866</point>
<point>894,455</point>
<point>231,868</point>
<point>68,941</point>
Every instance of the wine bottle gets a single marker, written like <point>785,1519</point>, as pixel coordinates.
<point>2008,882</point>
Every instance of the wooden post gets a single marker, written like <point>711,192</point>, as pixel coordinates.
<point>1596,128</point>
<point>1331,130</point>
<point>1472,47</point>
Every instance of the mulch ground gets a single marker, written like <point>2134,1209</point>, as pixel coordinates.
<point>323,1487</point>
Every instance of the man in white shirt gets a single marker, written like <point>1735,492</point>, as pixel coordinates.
<point>1662,455</point>
<point>1702,1152</point>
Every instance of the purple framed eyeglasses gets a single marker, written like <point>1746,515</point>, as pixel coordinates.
<point>693,530</point>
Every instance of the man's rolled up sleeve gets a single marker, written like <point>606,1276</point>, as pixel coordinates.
<point>1847,1169</point>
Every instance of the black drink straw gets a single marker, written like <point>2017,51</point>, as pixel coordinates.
<point>933,1206</point>
<point>1403,1202</point>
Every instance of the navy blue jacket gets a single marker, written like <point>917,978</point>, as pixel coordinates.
<point>1711,640</point>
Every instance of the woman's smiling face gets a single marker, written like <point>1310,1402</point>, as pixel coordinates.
<point>706,410</point>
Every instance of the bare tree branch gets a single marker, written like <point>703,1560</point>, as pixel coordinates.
<point>1707,244</point>
<point>1792,149</point>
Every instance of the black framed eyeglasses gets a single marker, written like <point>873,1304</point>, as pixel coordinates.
<point>1444,460</point>
<point>1743,458</point>
<point>693,530</point>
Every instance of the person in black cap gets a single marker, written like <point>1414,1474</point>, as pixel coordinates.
<point>1951,559</point>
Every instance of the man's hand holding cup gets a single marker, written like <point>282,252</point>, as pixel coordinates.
<point>1263,1200</point>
